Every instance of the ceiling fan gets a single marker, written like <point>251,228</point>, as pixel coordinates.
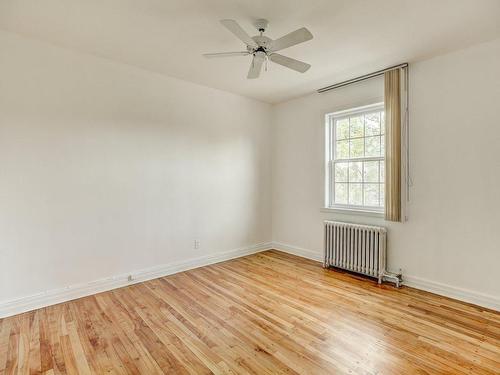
<point>263,48</point>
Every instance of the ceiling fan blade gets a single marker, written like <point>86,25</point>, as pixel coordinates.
<point>225,54</point>
<point>297,65</point>
<point>291,39</point>
<point>255,67</point>
<point>237,30</point>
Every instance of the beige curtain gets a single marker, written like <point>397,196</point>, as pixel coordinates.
<point>392,102</point>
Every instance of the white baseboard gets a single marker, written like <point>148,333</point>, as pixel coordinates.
<point>51,297</point>
<point>299,251</point>
<point>470,296</point>
<point>466,295</point>
<point>28,303</point>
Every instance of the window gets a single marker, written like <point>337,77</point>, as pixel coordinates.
<point>355,159</point>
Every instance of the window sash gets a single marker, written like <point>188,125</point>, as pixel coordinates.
<point>332,203</point>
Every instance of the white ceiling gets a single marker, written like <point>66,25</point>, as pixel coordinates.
<point>351,37</point>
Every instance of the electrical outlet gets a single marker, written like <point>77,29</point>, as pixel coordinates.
<point>129,278</point>
<point>196,244</point>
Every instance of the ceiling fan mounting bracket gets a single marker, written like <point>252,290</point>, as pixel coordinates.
<point>261,25</point>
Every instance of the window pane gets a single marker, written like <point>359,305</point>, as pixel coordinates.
<point>357,126</point>
<point>382,172</point>
<point>371,194</point>
<point>382,122</point>
<point>382,195</point>
<point>371,171</point>
<point>342,128</point>
<point>357,147</point>
<point>372,124</point>
<point>372,146</point>
<point>341,172</point>
<point>356,194</point>
<point>342,150</point>
<point>356,171</point>
<point>382,145</point>
<point>341,193</point>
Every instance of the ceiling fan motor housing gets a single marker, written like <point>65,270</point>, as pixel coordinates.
<point>263,42</point>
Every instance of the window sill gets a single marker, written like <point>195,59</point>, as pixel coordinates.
<point>348,211</point>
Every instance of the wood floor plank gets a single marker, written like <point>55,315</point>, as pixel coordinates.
<point>267,313</point>
<point>5,327</point>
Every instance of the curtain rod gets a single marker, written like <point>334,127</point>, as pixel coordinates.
<point>361,78</point>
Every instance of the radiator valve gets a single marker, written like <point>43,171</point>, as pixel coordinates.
<point>396,278</point>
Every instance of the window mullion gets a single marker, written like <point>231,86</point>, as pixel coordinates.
<point>332,150</point>
<point>371,158</point>
<point>348,186</point>
<point>363,182</point>
<point>363,162</point>
<point>378,185</point>
<point>332,183</point>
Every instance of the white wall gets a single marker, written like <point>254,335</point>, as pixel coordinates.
<point>451,243</point>
<point>107,169</point>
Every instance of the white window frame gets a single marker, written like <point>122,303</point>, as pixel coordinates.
<point>330,142</point>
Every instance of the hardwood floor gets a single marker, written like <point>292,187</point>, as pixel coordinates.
<point>269,313</point>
